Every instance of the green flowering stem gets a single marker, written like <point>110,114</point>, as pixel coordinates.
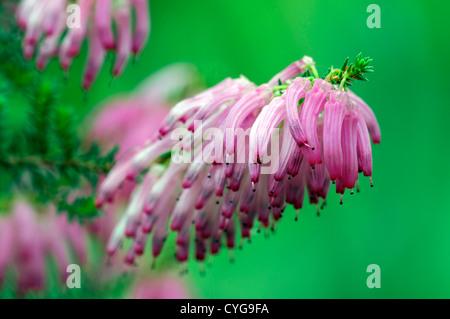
<point>279,87</point>
<point>348,73</point>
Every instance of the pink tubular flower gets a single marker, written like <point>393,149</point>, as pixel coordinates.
<point>364,149</point>
<point>28,237</point>
<point>249,103</point>
<point>294,93</point>
<point>349,149</point>
<point>254,173</point>
<point>62,34</point>
<point>332,147</point>
<point>369,118</point>
<point>261,132</point>
<point>310,109</point>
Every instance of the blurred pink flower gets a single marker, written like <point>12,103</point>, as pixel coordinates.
<point>132,120</point>
<point>166,287</point>
<point>28,237</point>
<point>49,19</point>
<point>128,122</point>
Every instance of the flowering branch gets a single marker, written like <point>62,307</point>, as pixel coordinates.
<point>347,73</point>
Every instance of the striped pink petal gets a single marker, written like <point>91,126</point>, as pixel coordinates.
<point>333,119</point>
<point>349,149</point>
<point>312,106</point>
<point>364,149</point>
<point>248,104</point>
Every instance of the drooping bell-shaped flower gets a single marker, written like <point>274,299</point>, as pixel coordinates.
<point>334,113</point>
<point>294,94</point>
<point>349,138</point>
<point>310,109</point>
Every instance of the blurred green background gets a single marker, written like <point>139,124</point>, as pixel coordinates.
<point>403,223</point>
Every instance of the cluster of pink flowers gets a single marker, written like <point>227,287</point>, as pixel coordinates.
<point>29,237</point>
<point>129,121</point>
<point>326,135</point>
<point>46,25</point>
